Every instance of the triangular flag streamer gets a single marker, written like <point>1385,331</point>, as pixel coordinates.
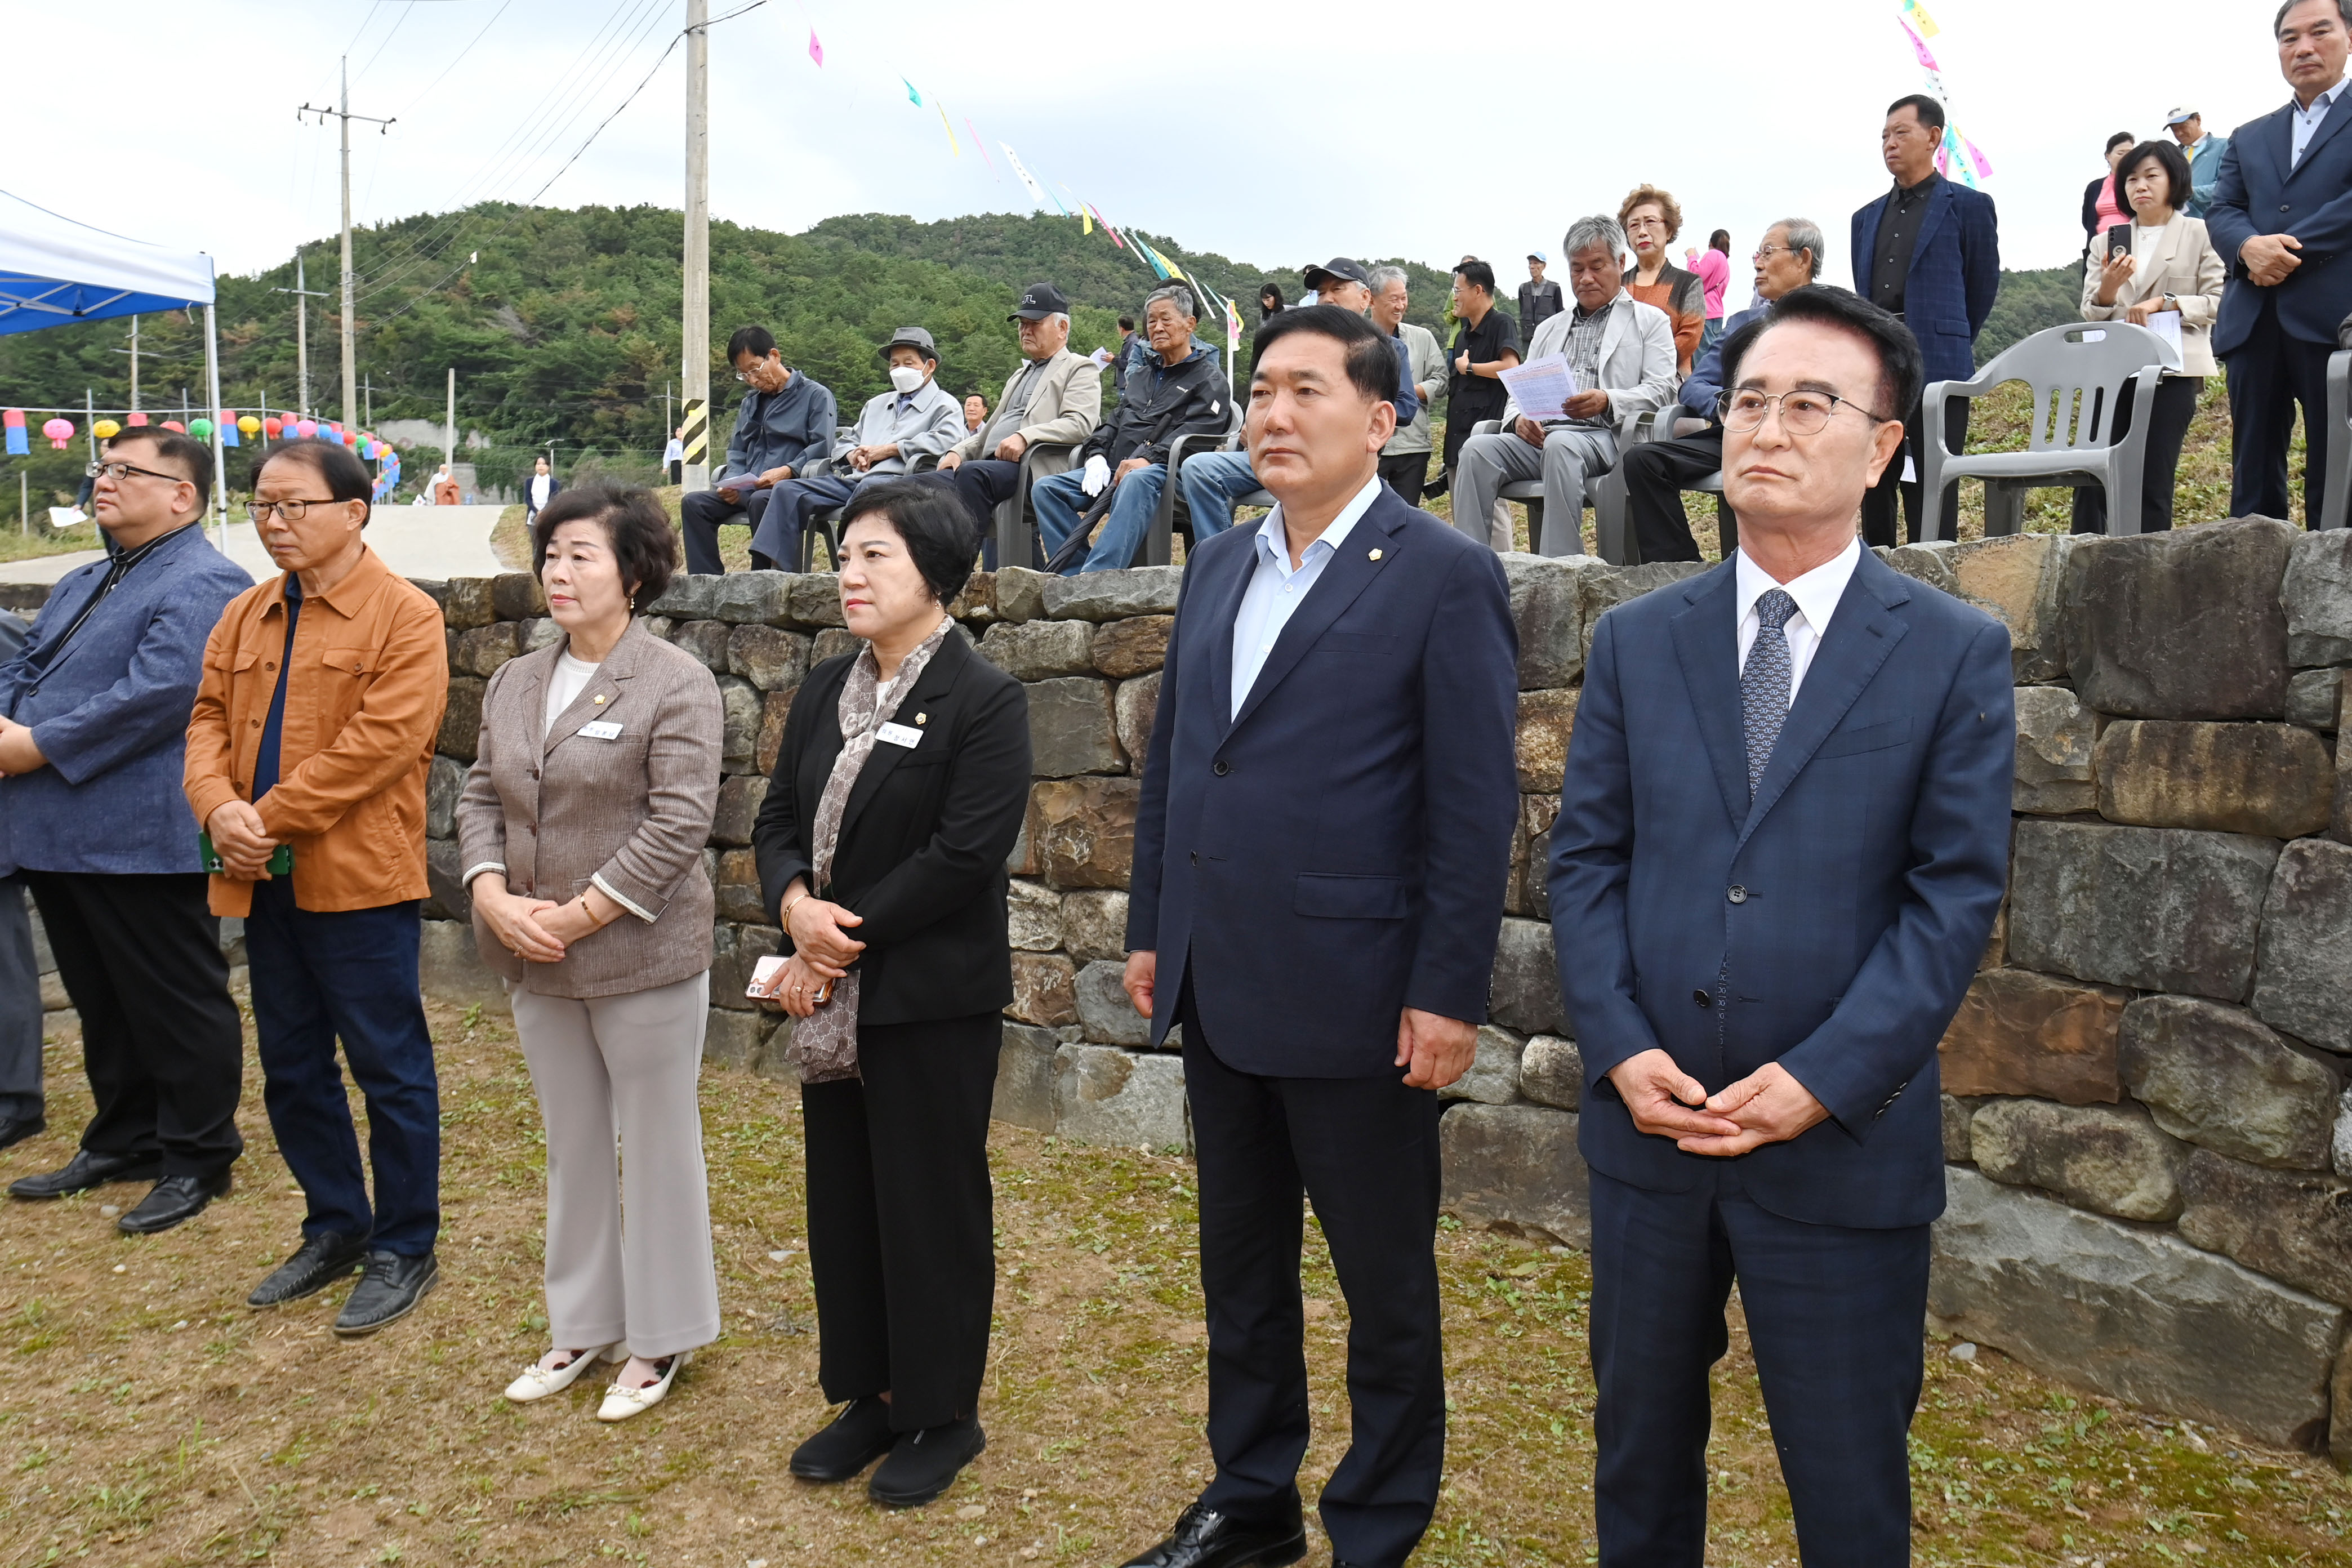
<point>1976,156</point>
<point>1086,219</point>
<point>1919,14</point>
<point>916,98</point>
<point>952,143</point>
<point>1927,60</point>
<point>1152,256</point>
<point>1021,173</point>
<point>979,143</point>
<point>816,50</point>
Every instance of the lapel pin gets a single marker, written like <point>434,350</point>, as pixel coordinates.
<point>1375,555</point>
<point>599,699</point>
<point>922,717</point>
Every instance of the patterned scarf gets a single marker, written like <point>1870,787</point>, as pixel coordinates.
<point>823,1045</point>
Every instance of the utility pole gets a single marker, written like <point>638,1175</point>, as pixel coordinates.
<point>342,112</point>
<point>371,400</point>
<point>303,294</point>
<point>693,393</point>
<point>449,431</point>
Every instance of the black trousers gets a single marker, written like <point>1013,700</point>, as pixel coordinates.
<point>2270,374</point>
<point>161,1040</point>
<point>2169,413</point>
<point>1878,503</point>
<point>1364,1150</point>
<point>1656,473</point>
<point>901,1218</point>
<point>1406,473</point>
<point>1837,1319</point>
<point>1462,416</point>
<point>20,1007</point>
<point>982,484</point>
<point>699,516</point>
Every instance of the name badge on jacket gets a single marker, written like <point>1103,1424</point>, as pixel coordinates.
<point>602,729</point>
<point>899,735</point>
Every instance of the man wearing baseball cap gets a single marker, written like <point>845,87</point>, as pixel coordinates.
<point>2204,148</point>
<point>914,419</point>
<point>1540,297</point>
<point>1054,401</point>
<point>1213,482</point>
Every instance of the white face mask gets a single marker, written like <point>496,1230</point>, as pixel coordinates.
<point>906,377</point>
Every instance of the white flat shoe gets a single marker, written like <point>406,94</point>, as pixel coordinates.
<point>620,1404</point>
<point>538,1381</point>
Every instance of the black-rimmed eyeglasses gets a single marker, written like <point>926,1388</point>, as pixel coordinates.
<point>118,472</point>
<point>291,511</point>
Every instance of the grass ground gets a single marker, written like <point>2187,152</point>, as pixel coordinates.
<point>16,544</point>
<point>150,1418</point>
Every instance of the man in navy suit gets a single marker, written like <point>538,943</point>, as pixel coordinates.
<point>1781,841</point>
<point>1319,859</point>
<point>2281,218</point>
<point>1929,251</point>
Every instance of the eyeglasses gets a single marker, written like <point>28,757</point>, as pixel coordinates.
<point>118,472</point>
<point>291,511</point>
<point>1765,253</point>
<point>1802,412</point>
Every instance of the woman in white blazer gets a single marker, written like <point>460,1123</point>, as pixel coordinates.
<point>2171,266</point>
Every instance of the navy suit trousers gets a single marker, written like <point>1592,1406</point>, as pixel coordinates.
<point>1835,1318</point>
<point>2270,374</point>
<point>1364,1150</point>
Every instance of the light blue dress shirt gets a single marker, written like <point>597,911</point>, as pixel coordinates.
<point>2304,124</point>
<point>1276,590</point>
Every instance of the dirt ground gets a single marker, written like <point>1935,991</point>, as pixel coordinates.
<point>150,1418</point>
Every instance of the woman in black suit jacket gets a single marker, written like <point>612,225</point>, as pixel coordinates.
<point>897,795</point>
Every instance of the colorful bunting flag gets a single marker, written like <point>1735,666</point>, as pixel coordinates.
<point>912,96</point>
<point>1927,60</point>
<point>1021,173</point>
<point>952,144</point>
<point>976,141</point>
<point>1919,14</point>
<point>816,50</point>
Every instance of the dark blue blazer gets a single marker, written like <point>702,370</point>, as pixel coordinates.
<point>1832,926</point>
<point>2255,193</point>
<point>110,712</point>
<point>1337,852</point>
<point>1953,278</point>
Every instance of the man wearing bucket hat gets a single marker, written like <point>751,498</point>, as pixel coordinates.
<point>1053,400</point>
<point>2203,149</point>
<point>915,419</point>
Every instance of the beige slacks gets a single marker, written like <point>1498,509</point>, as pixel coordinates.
<point>616,1081</point>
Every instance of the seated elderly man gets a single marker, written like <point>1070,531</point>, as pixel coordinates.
<point>784,429</point>
<point>1180,390</point>
<point>917,418</point>
<point>1622,355</point>
<point>1656,471</point>
<point>1213,482</point>
<point>1055,399</point>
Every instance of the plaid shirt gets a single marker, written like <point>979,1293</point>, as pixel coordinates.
<point>1584,353</point>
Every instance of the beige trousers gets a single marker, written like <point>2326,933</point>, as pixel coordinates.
<point>624,1068</point>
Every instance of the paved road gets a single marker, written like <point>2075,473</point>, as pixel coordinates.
<point>415,542</point>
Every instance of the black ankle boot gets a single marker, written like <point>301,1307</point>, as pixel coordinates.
<point>924,1463</point>
<point>854,1439</point>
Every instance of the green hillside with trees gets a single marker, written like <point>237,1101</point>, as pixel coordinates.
<point>564,328</point>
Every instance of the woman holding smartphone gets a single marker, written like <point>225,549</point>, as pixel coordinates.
<point>581,831</point>
<point>2166,262</point>
<point>899,791</point>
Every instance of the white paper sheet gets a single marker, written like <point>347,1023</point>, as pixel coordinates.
<point>1541,387</point>
<point>2166,324</point>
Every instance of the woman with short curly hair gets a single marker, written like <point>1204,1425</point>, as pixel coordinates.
<point>1651,218</point>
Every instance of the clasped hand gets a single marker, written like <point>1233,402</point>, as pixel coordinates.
<point>1768,1106</point>
<point>2270,258</point>
<point>242,843</point>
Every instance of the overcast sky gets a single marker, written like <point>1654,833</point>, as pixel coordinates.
<point>1273,134</point>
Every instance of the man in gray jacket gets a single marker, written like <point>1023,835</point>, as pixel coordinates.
<point>1404,461</point>
<point>1055,400</point>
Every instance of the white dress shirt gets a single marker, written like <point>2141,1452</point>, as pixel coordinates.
<point>1276,590</point>
<point>2303,123</point>
<point>1817,593</point>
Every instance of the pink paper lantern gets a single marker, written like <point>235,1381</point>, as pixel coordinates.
<point>58,431</point>
<point>136,420</point>
<point>307,430</point>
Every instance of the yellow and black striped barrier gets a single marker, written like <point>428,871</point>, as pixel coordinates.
<point>696,430</point>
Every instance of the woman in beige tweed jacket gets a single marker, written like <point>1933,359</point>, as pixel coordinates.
<point>582,829</point>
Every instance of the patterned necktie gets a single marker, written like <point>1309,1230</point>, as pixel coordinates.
<point>1764,683</point>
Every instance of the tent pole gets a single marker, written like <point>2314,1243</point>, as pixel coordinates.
<point>212,387</point>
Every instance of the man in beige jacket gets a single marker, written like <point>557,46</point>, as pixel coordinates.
<point>1053,400</point>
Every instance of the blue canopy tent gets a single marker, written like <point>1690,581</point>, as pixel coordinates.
<point>55,272</point>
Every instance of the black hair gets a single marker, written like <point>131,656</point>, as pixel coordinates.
<point>938,531</point>
<point>2343,11</point>
<point>336,465</point>
<point>1721,240</point>
<point>1900,369</point>
<point>1930,112</point>
<point>2170,158</point>
<point>1268,292</point>
<point>644,545</point>
<point>2120,138</point>
<point>1476,271</point>
<point>184,450</point>
<point>757,342</point>
<point>1370,360</point>
<point>1126,323</point>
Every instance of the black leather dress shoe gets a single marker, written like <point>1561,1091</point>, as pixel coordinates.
<point>1203,1538</point>
<point>387,1292</point>
<point>86,1171</point>
<point>16,1128</point>
<point>925,1463</point>
<point>855,1438</point>
<point>172,1201</point>
<point>319,1262</point>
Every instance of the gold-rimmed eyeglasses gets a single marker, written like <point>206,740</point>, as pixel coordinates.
<point>1803,413</point>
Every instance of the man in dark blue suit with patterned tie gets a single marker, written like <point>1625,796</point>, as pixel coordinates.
<point>1319,859</point>
<point>1782,842</point>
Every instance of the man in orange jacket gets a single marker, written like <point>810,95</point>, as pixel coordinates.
<point>312,737</point>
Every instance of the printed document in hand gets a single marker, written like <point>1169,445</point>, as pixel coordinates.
<point>1542,387</point>
<point>2166,324</point>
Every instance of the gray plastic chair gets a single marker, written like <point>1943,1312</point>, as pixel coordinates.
<point>1015,523</point>
<point>2331,504</point>
<point>2079,374</point>
<point>1613,532</point>
<point>1159,542</point>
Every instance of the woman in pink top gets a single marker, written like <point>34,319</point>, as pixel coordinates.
<point>2101,209</point>
<point>1713,266</point>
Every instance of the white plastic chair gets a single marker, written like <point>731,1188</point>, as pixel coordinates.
<point>2331,504</point>
<point>2079,374</point>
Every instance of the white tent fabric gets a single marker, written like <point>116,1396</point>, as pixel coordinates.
<point>54,271</point>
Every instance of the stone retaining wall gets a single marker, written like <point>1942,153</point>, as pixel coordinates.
<point>2146,1112</point>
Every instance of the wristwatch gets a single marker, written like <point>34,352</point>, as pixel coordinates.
<point>2170,303</point>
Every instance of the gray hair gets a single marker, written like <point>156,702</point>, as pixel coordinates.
<point>1175,294</point>
<point>1381,277</point>
<point>1598,230</point>
<point>1804,233</point>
